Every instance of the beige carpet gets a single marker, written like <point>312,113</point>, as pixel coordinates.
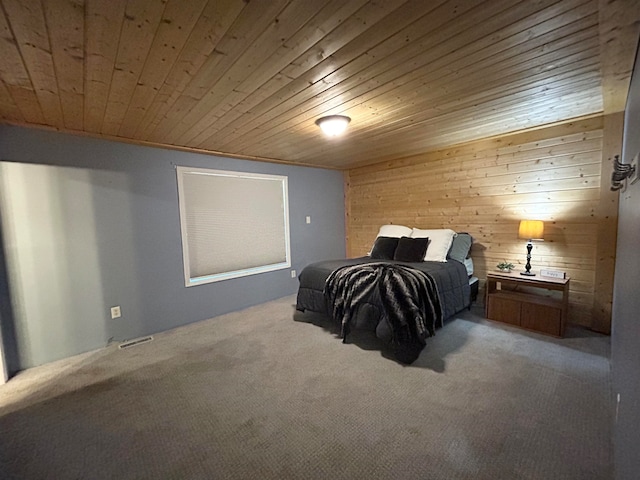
<point>257,394</point>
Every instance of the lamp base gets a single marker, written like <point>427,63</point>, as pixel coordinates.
<point>527,267</point>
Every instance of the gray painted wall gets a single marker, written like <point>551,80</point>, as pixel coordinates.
<point>89,224</point>
<point>625,337</point>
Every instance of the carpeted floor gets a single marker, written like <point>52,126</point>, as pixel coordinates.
<point>269,393</point>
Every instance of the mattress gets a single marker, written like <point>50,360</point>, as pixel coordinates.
<point>468,264</point>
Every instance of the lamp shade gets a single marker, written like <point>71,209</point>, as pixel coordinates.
<point>333,124</point>
<point>531,229</point>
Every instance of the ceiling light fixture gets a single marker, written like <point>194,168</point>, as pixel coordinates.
<point>333,124</point>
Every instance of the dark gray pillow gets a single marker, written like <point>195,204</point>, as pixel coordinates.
<point>460,247</point>
<point>411,249</point>
<point>384,248</point>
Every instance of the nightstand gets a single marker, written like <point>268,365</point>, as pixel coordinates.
<point>535,303</point>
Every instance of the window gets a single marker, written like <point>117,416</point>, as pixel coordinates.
<point>233,224</point>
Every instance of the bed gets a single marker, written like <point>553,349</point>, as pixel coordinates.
<point>448,266</point>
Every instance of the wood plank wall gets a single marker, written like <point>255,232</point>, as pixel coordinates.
<point>556,174</point>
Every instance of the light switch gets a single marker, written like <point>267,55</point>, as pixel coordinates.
<point>308,218</point>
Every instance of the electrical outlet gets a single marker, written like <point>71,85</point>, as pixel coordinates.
<point>308,218</point>
<point>115,312</point>
<point>293,274</point>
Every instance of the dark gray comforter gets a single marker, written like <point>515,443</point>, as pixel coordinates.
<point>450,277</point>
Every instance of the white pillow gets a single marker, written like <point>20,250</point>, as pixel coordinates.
<point>440,241</point>
<point>395,231</point>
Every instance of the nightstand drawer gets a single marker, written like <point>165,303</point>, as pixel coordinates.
<point>503,310</point>
<point>541,318</point>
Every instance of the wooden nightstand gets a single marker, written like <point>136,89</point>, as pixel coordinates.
<point>533,303</point>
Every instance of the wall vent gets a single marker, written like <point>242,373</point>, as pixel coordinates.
<point>135,341</point>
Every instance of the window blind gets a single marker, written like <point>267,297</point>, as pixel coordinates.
<point>233,224</point>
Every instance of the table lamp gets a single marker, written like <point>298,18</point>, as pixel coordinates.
<point>530,230</point>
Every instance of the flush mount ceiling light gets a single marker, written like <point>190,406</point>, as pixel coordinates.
<point>333,124</point>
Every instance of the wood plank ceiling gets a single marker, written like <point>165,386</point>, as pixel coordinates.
<point>249,78</point>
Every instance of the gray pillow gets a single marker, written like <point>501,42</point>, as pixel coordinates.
<point>460,247</point>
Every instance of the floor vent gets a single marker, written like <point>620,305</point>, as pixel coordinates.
<point>134,342</point>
